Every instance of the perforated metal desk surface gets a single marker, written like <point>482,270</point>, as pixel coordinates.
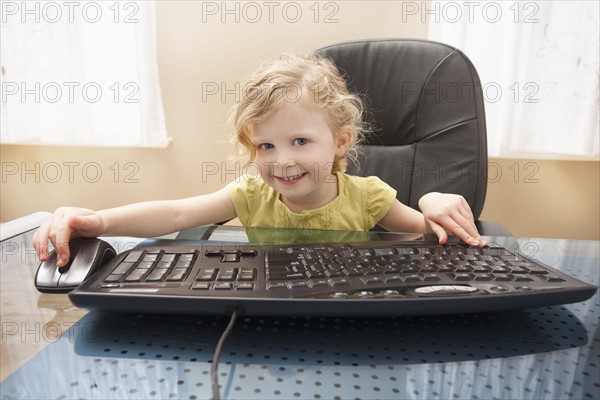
<point>543,353</point>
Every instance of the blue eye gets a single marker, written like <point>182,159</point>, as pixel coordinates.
<point>265,146</point>
<point>301,141</point>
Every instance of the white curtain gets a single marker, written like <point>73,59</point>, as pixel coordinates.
<point>80,73</point>
<point>538,63</point>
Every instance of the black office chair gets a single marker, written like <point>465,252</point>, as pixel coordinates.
<point>425,106</point>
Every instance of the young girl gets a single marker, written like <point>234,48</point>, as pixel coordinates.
<point>298,123</point>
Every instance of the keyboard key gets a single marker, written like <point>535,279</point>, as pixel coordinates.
<point>168,257</point>
<point>364,253</point>
<point>286,275</point>
<point>145,265</point>
<point>134,256</point>
<point>296,284</point>
<point>534,269</point>
<point>413,278</point>
<point>373,270</point>
<point>182,264</point>
<point>249,253</point>
<point>312,274</point>
<point>334,274</point>
<point>522,278</point>
<point>226,274</point>
<point>162,264</point>
<point>113,278</point>
<point>150,257</point>
<point>247,274</point>
<point>244,286</point>
<point>123,268</point>
<point>206,274</point>
<point>335,282</point>
<point>186,257</point>
<point>353,271</point>
<point>460,277</point>
<point>511,258</point>
<point>233,256</point>
<point>394,278</point>
<point>136,275</point>
<point>385,252</point>
<point>222,286</point>
<point>318,282</point>
<point>371,279</point>
<point>156,275</point>
<point>407,269</point>
<point>481,268</point>
<point>177,274</point>
<point>463,269</point>
<point>429,268</point>
<point>276,285</point>
<point>275,276</point>
<point>503,277</point>
<point>499,269</point>
<point>445,268</point>
<point>200,286</point>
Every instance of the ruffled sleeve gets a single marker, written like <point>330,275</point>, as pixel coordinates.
<point>380,197</point>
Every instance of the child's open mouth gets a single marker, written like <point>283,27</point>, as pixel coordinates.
<point>290,180</point>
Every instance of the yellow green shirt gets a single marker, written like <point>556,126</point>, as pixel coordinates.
<point>359,206</point>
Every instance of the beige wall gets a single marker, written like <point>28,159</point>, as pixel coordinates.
<point>545,198</point>
<point>196,55</point>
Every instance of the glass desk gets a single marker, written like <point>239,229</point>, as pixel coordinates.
<point>50,349</point>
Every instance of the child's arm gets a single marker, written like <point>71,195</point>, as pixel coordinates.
<point>147,219</point>
<point>441,212</point>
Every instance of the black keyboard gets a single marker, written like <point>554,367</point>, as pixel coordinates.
<point>368,279</point>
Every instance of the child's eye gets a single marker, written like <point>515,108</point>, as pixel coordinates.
<point>265,146</point>
<point>300,141</point>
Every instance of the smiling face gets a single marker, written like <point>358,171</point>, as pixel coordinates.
<point>309,81</point>
<point>295,152</point>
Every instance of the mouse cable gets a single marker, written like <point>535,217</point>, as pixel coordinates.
<point>215,361</point>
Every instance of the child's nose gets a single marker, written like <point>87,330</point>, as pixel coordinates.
<point>285,158</point>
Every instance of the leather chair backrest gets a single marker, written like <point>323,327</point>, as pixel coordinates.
<point>425,105</point>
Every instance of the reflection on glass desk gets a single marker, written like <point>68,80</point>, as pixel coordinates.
<point>540,353</point>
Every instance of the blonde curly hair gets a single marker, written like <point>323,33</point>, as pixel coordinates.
<point>310,80</point>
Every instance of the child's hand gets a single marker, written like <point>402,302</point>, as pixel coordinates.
<point>66,223</point>
<point>449,212</point>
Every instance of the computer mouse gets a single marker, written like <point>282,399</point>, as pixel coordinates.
<point>86,256</point>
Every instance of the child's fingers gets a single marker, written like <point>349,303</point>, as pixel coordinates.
<point>467,225</point>
<point>453,214</point>
<point>468,214</point>
<point>465,211</point>
<point>40,241</point>
<point>466,221</point>
<point>65,224</point>
<point>460,227</point>
<point>61,244</point>
<point>439,231</point>
<point>59,235</point>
